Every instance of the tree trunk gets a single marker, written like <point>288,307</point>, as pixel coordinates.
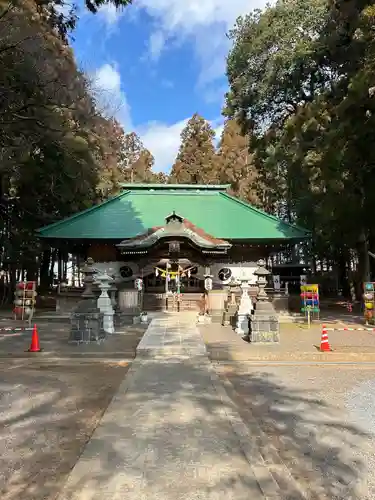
<point>342,271</point>
<point>51,273</point>
<point>363,259</point>
<point>44,269</point>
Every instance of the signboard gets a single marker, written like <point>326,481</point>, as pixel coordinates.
<point>276,282</point>
<point>369,302</point>
<point>24,301</point>
<point>208,284</point>
<point>310,301</point>
<point>138,283</point>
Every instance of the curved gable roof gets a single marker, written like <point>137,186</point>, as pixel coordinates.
<point>136,210</point>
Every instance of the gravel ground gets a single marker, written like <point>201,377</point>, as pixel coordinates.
<point>295,341</point>
<point>47,414</point>
<point>321,420</point>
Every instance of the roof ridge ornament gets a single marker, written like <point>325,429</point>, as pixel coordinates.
<point>173,217</point>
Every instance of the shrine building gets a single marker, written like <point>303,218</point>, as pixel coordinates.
<point>172,236</point>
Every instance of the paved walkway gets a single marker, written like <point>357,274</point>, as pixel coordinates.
<point>169,433</point>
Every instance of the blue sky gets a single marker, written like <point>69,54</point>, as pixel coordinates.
<point>157,62</point>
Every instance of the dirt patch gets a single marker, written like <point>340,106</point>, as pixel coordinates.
<point>47,415</point>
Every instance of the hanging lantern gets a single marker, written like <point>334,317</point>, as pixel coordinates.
<point>208,283</point>
<point>189,273</point>
<point>138,284</point>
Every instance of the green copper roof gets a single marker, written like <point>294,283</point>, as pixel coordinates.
<point>143,206</point>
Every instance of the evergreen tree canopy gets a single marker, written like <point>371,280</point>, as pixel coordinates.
<point>196,160</point>
<point>235,163</point>
<point>299,76</point>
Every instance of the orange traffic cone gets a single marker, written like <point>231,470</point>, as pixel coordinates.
<point>324,344</point>
<point>34,346</point>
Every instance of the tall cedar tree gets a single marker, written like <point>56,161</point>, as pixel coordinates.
<point>196,162</point>
<point>235,163</point>
<point>136,161</point>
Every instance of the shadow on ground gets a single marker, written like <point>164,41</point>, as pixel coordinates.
<point>167,436</point>
<point>54,339</point>
<point>312,439</point>
<point>47,414</point>
<point>173,440</point>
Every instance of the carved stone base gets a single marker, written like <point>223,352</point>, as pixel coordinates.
<point>86,327</point>
<point>229,315</point>
<point>124,319</point>
<point>204,319</point>
<point>242,327</point>
<point>216,316</point>
<point>264,329</point>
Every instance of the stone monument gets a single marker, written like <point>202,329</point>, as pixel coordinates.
<point>265,322</point>
<point>230,310</point>
<point>103,280</point>
<point>113,289</point>
<point>86,321</point>
<point>245,309</point>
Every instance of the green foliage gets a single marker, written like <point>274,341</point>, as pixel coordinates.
<point>235,163</point>
<point>196,162</point>
<point>299,76</point>
<point>58,155</point>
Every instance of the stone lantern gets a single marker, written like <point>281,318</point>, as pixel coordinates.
<point>245,308</point>
<point>230,310</point>
<point>262,273</point>
<point>86,321</point>
<point>265,323</point>
<point>104,281</point>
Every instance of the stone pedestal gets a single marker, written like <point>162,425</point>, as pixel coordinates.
<point>264,323</point>
<point>244,310</point>
<point>104,303</point>
<point>86,322</point>
<point>217,304</point>
<point>230,311</point>
<point>128,306</point>
<point>128,301</point>
<point>112,292</point>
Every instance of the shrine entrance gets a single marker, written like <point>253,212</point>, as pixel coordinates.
<point>174,251</point>
<point>174,279</point>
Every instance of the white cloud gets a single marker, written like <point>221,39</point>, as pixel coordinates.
<point>167,84</point>
<point>110,96</point>
<point>109,14</point>
<point>163,141</point>
<point>204,22</point>
<point>156,45</point>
